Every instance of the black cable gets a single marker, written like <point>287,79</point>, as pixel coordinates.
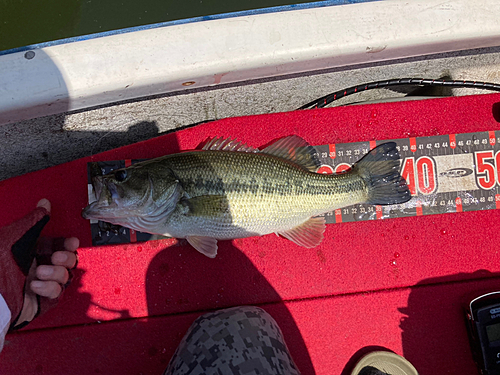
<point>327,99</point>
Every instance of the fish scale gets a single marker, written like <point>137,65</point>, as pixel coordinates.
<point>263,192</point>
<point>229,190</point>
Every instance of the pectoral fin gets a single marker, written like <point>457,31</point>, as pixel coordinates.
<point>308,234</point>
<point>205,245</point>
<point>207,205</point>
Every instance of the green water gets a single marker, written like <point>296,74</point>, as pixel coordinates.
<point>24,22</point>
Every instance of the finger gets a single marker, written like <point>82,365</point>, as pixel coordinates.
<point>52,273</point>
<point>71,244</point>
<point>44,203</point>
<point>62,244</point>
<point>64,258</point>
<point>50,289</point>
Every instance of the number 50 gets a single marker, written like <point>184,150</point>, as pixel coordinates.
<point>487,172</point>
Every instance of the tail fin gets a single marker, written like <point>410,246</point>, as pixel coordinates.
<point>380,170</point>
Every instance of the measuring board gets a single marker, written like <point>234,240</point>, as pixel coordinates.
<point>445,174</point>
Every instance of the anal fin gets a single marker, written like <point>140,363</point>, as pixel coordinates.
<point>205,245</point>
<point>308,234</point>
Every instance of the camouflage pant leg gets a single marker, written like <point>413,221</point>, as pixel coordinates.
<point>239,340</point>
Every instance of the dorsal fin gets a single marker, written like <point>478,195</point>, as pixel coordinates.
<point>296,150</point>
<point>227,144</point>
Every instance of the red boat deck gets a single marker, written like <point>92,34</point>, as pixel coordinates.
<point>396,283</point>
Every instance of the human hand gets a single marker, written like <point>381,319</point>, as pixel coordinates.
<point>52,277</point>
<point>33,268</point>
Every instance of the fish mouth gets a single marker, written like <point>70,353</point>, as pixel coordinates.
<point>113,190</point>
<point>91,211</point>
<point>110,203</point>
<point>101,210</point>
<point>98,185</point>
<point>107,196</point>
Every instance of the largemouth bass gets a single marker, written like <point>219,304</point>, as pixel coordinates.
<point>229,190</point>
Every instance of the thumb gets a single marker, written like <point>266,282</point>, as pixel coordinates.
<point>20,237</point>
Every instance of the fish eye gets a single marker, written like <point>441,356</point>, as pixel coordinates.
<point>120,175</point>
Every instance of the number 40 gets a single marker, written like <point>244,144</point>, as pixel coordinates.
<point>420,175</point>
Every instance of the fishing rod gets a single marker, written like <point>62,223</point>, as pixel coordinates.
<point>327,99</point>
